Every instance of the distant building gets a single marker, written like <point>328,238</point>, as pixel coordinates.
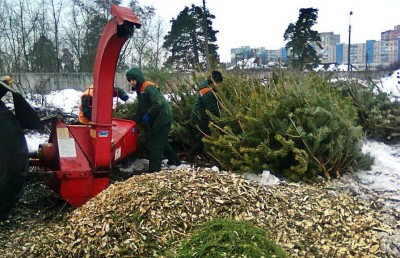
<point>277,55</point>
<point>329,39</point>
<point>339,53</point>
<point>328,43</point>
<point>370,58</point>
<point>391,50</point>
<point>238,54</point>
<point>261,56</point>
<point>358,54</point>
<point>368,55</point>
<point>391,34</point>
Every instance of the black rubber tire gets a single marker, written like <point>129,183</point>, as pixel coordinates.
<point>13,160</point>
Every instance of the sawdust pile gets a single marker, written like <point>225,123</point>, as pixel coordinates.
<point>147,214</point>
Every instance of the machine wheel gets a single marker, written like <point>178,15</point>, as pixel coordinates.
<point>13,160</point>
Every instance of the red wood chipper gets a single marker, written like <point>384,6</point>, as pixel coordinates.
<point>81,157</point>
<point>78,159</point>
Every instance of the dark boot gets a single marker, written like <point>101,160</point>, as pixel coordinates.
<point>191,158</point>
<point>174,162</point>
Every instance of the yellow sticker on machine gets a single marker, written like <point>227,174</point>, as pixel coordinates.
<point>62,133</point>
<point>92,133</point>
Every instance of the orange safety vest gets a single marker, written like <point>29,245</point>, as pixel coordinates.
<point>82,118</point>
<point>146,84</point>
<point>203,91</point>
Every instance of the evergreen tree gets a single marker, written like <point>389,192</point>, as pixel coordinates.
<point>301,39</point>
<point>67,61</point>
<point>186,40</point>
<point>43,56</point>
<point>105,5</point>
<point>298,127</point>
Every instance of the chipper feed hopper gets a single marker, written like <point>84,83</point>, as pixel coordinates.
<point>78,159</point>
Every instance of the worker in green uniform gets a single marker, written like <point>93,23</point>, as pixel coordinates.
<point>206,101</point>
<point>155,112</point>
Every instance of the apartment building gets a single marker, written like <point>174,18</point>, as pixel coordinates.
<point>368,55</point>
<point>372,54</point>
<point>391,34</point>
<point>328,52</point>
<point>261,55</point>
<point>329,38</point>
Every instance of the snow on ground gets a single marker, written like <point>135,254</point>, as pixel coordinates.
<point>391,84</point>
<point>331,67</point>
<point>67,100</point>
<point>34,139</point>
<point>385,173</point>
<point>382,182</point>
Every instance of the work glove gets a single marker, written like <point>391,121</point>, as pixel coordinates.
<point>146,118</point>
<point>120,93</point>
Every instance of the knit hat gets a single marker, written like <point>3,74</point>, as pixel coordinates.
<point>217,77</point>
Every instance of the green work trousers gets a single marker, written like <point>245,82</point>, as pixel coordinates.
<point>159,147</point>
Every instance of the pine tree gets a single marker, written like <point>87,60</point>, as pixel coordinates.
<point>186,40</point>
<point>299,127</point>
<point>301,39</point>
<point>43,56</point>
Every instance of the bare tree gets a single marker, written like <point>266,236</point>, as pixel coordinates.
<point>20,23</point>
<point>74,32</point>
<point>23,23</point>
<point>144,49</point>
<point>143,37</point>
<point>159,37</point>
<point>56,11</point>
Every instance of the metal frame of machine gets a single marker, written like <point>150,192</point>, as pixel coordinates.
<point>79,158</point>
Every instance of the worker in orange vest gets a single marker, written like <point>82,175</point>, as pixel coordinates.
<point>85,109</point>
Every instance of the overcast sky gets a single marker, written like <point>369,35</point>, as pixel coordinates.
<point>262,23</point>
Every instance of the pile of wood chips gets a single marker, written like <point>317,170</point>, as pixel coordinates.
<point>146,214</point>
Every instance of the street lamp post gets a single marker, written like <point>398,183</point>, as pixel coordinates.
<point>348,50</point>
